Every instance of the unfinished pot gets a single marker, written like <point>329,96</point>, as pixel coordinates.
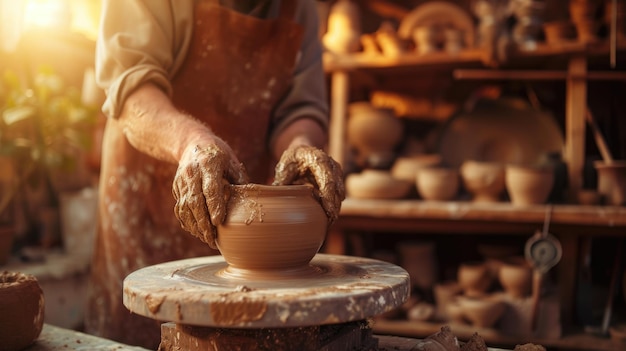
<point>484,180</point>
<point>271,229</point>
<point>528,185</point>
<point>437,183</point>
<point>516,277</point>
<point>374,133</point>
<point>21,310</point>
<point>474,277</point>
<point>612,181</point>
<point>376,184</point>
<point>482,312</point>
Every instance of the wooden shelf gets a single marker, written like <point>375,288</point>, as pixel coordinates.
<point>574,340</point>
<point>361,214</point>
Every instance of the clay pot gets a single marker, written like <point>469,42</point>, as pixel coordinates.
<point>454,312</point>
<point>474,277</point>
<point>406,167</point>
<point>612,182</point>
<point>482,312</point>
<point>344,28</point>
<point>374,133</point>
<point>528,185</point>
<point>271,228</point>
<point>21,310</point>
<point>420,261</point>
<point>516,277</point>
<point>445,293</point>
<point>376,184</point>
<point>437,183</point>
<point>557,32</point>
<point>484,180</point>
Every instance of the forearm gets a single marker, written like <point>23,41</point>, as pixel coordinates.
<point>153,125</point>
<point>303,131</point>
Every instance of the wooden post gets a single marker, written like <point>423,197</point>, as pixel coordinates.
<point>575,109</point>
<point>338,115</point>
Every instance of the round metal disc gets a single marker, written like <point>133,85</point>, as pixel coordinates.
<point>206,292</point>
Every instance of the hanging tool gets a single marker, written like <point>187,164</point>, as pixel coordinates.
<point>543,251</point>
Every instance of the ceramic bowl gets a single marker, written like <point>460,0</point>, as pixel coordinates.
<point>484,180</point>
<point>516,277</point>
<point>482,312</point>
<point>376,184</point>
<point>21,310</point>
<point>406,167</point>
<point>437,183</point>
<point>474,277</point>
<point>271,228</point>
<point>528,185</point>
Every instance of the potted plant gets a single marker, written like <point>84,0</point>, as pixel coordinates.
<point>45,128</point>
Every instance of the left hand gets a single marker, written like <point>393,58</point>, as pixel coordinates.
<point>308,164</point>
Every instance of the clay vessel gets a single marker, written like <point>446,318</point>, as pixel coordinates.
<point>374,133</point>
<point>484,180</point>
<point>528,185</point>
<point>272,229</point>
<point>474,277</point>
<point>376,184</point>
<point>344,28</point>
<point>445,294</point>
<point>21,310</point>
<point>437,183</point>
<point>482,312</point>
<point>406,167</point>
<point>420,260</point>
<point>612,182</point>
<point>516,277</point>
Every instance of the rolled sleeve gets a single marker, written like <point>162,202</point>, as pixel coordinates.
<point>307,97</point>
<point>140,41</point>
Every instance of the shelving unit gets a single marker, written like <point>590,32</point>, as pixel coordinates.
<point>571,223</point>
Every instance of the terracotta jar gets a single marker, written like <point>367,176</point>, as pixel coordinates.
<point>528,185</point>
<point>483,311</point>
<point>474,277</point>
<point>374,133</point>
<point>484,180</point>
<point>612,182</point>
<point>437,183</point>
<point>516,277</point>
<point>21,310</point>
<point>271,228</point>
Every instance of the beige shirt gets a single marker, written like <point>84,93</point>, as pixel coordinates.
<point>146,40</point>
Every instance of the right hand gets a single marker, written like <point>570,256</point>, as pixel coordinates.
<point>201,199</point>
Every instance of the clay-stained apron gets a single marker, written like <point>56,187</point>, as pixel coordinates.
<point>236,69</point>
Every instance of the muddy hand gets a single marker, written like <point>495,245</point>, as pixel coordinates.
<point>199,189</point>
<point>309,164</point>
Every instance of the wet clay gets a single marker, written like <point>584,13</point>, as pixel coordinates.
<point>21,310</point>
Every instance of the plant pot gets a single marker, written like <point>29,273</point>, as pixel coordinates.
<point>21,310</point>
<point>270,231</point>
<point>612,182</point>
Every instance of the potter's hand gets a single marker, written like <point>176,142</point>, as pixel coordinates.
<point>302,164</point>
<point>199,187</point>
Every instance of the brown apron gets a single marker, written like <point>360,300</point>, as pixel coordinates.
<point>237,68</point>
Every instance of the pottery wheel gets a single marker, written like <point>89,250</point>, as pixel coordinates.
<point>201,291</point>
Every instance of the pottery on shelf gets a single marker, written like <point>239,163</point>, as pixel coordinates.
<point>376,184</point>
<point>406,167</point>
<point>516,277</point>
<point>612,181</point>
<point>21,310</point>
<point>528,185</point>
<point>484,180</point>
<point>271,228</point>
<point>374,133</point>
<point>445,294</point>
<point>344,28</point>
<point>483,311</point>
<point>474,277</point>
<point>437,183</point>
<point>419,259</point>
